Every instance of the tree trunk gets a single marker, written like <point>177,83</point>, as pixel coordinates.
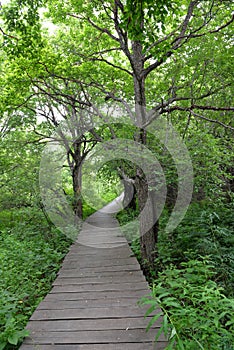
<point>76,170</point>
<point>77,183</point>
<point>148,222</point>
<point>129,200</point>
<point>148,226</point>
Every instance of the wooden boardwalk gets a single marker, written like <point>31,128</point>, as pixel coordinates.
<point>93,302</point>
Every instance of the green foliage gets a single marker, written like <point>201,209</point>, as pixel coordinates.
<point>106,184</point>
<point>87,210</point>
<point>197,315</point>
<point>130,228</point>
<point>140,16</point>
<point>204,231</point>
<point>22,22</point>
<point>30,254</point>
<point>211,156</point>
<point>19,164</point>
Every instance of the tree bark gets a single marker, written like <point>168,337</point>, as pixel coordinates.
<point>76,171</point>
<point>129,201</point>
<point>77,183</point>
<point>148,225</point>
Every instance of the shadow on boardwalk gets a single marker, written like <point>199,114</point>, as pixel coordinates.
<point>93,302</point>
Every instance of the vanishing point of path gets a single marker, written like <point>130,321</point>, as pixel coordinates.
<point>93,302</point>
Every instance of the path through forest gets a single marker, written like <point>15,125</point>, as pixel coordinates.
<point>93,302</point>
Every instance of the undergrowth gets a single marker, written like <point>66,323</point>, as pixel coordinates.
<point>31,254</point>
<point>193,279</point>
<point>204,231</point>
<point>195,312</point>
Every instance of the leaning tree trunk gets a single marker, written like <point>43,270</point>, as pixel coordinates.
<point>129,201</point>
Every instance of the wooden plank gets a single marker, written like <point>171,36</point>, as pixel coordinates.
<point>109,253</point>
<point>85,259</point>
<point>89,337</point>
<point>94,273</point>
<point>99,264</point>
<point>98,280</point>
<point>106,261</point>
<point>100,254</point>
<point>100,287</point>
<point>99,269</point>
<point>102,238</point>
<point>69,314</point>
<point>90,324</point>
<point>79,246</point>
<point>106,245</point>
<point>95,269</point>
<point>85,303</point>
<point>104,269</point>
<point>111,346</point>
<point>105,295</point>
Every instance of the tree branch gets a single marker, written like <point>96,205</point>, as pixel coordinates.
<point>192,35</point>
<point>164,108</point>
<point>123,37</point>
<point>177,40</point>
<point>8,35</point>
<point>211,120</point>
<point>212,108</point>
<point>100,29</point>
<point>159,42</point>
<point>111,64</point>
<point>185,24</point>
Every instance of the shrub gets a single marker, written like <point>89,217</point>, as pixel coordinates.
<point>204,231</point>
<point>196,313</point>
<point>30,255</point>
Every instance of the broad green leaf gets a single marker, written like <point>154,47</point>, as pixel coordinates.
<point>3,345</point>
<point>13,339</point>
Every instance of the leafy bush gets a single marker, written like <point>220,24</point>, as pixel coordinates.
<point>130,229</point>
<point>204,231</point>
<point>196,313</point>
<point>30,256</point>
<point>87,210</point>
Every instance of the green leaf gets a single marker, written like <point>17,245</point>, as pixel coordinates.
<point>173,333</point>
<point>163,295</point>
<point>153,320</point>
<point>180,344</point>
<point>13,339</point>
<point>2,346</point>
<point>173,303</point>
<point>165,324</point>
<point>158,334</point>
<point>150,310</point>
<point>229,323</point>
